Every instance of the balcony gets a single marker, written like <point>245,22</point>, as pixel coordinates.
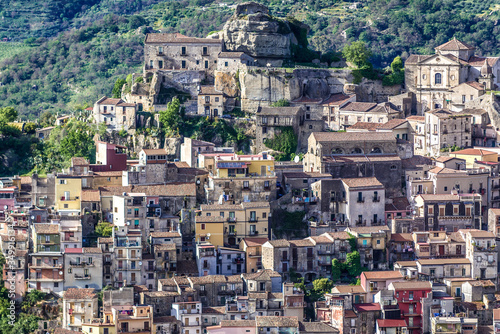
<point>254,255</point>
<point>231,233</point>
<point>253,219</point>
<point>376,198</point>
<point>238,260</point>
<point>231,219</point>
<point>254,232</point>
<point>81,264</point>
<point>78,276</point>
<point>360,200</point>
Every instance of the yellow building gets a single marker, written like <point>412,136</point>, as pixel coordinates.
<point>253,251</point>
<point>107,179</point>
<point>96,327</point>
<point>210,229</point>
<point>245,165</point>
<point>471,155</point>
<point>68,190</point>
<point>245,220</point>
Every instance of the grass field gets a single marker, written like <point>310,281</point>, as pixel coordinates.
<point>10,49</point>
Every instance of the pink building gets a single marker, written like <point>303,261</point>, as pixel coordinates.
<point>374,281</point>
<point>233,327</point>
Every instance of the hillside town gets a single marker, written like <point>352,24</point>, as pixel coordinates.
<point>386,220</point>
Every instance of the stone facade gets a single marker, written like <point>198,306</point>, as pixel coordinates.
<point>432,77</point>
<point>179,52</point>
<point>115,113</point>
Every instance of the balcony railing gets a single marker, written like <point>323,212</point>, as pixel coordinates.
<point>361,200</point>
<point>254,232</point>
<point>78,276</point>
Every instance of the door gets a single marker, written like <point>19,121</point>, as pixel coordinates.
<point>441,250</point>
<point>459,249</point>
<point>39,285</point>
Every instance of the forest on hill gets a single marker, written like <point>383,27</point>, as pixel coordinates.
<point>68,53</point>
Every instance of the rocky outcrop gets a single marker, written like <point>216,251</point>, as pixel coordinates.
<point>261,87</point>
<point>252,30</point>
<point>227,83</point>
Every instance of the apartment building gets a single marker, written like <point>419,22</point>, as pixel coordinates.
<point>46,267</point>
<point>253,253</point>
<point>127,256</point>
<point>239,178</point>
<point>80,306</point>
<point>116,114</point>
<point>83,267</point>
<point>245,220</point>
<point>189,314</point>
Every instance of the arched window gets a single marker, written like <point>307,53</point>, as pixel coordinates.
<point>337,150</point>
<point>437,78</point>
<point>357,150</point>
<point>376,150</point>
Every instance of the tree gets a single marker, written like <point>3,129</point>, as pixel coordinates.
<point>397,64</point>
<point>281,103</point>
<point>170,117</point>
<point>47,119</point>
<point>78,141</point>
<point>337,268</point>
<point>30,128</point>
<point>104,229</point>
<point>353,264</point>
<point>117,89</point>
<point>322,285</point>
<point>357,53</point>
<point>8,114</point>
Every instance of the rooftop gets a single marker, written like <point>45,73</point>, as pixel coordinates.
<point>276,321</point>
<point>178,38</point>
<point>73,293</point>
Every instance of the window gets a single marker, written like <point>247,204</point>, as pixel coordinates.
<point>202,226</point>
<point>206,63</point>
<point>437,79</point>
<point>226,64</point>
<point>183,51</point>
<point>217,99</point>
<point>264,215</point>
<point>463,98</point>
<point>183,64</point>
<point>205,50</point>
<point>430,210</point>
<point>246,184</point>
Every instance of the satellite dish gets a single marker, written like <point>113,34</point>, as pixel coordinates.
<point>296,159</point>
<point>140,263</point>
<point>60,273</point>
<point>208,235</point>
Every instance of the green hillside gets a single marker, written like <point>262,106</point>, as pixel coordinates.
<point>82,64</point>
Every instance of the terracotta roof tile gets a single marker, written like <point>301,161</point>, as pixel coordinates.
<point>237,323</point>
<point>362,182</point>
<point>73,293</point>
<point>358,106</point>
<point>165,235</point>
<point>253,242</point>
<point>367,307</point>
<point>178,38</point>
<point>262,275</point>
<point>292,111</point>
<point>276,321</point>
<point>474,151</point>
<point>390,323</point>
<point>91,196</point>
<point>412,285</point>
<point>345,289</point>
<point>214,310</point>
<point>167,190</point>
<point>364,126</point>
<point>46,228</point>
<point>454,45</point>
<point>230,54</point>
<point>302,243</point>
<point>433,262</point>
<point>339,235</point>
<point>209,90</point>
<point>316,327</point>
<point>353,136</point>
<point>92,250</point>
<point>382,275</point>
<point>392,124</point>
<point>279,243</point>
<point>209,219</point>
